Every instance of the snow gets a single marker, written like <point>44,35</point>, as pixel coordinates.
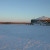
<point>24,37</point>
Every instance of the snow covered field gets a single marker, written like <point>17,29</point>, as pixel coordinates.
<point>24,37</point>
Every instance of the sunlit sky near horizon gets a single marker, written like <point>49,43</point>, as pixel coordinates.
<point>23,10</point>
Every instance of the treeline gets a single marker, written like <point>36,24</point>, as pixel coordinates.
<point>14,23</point>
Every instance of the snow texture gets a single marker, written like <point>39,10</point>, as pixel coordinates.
<point>24,37</point>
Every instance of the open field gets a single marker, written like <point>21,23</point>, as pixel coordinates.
<point>24,37</point>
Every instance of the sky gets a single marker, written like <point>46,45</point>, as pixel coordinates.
<point>23,10</point>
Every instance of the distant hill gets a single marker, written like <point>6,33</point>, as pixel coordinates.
<point>44,18</point>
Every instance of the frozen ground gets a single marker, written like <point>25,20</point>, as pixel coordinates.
<point>24,37</point>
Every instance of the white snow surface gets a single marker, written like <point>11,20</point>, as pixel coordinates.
<point>24,37</point>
